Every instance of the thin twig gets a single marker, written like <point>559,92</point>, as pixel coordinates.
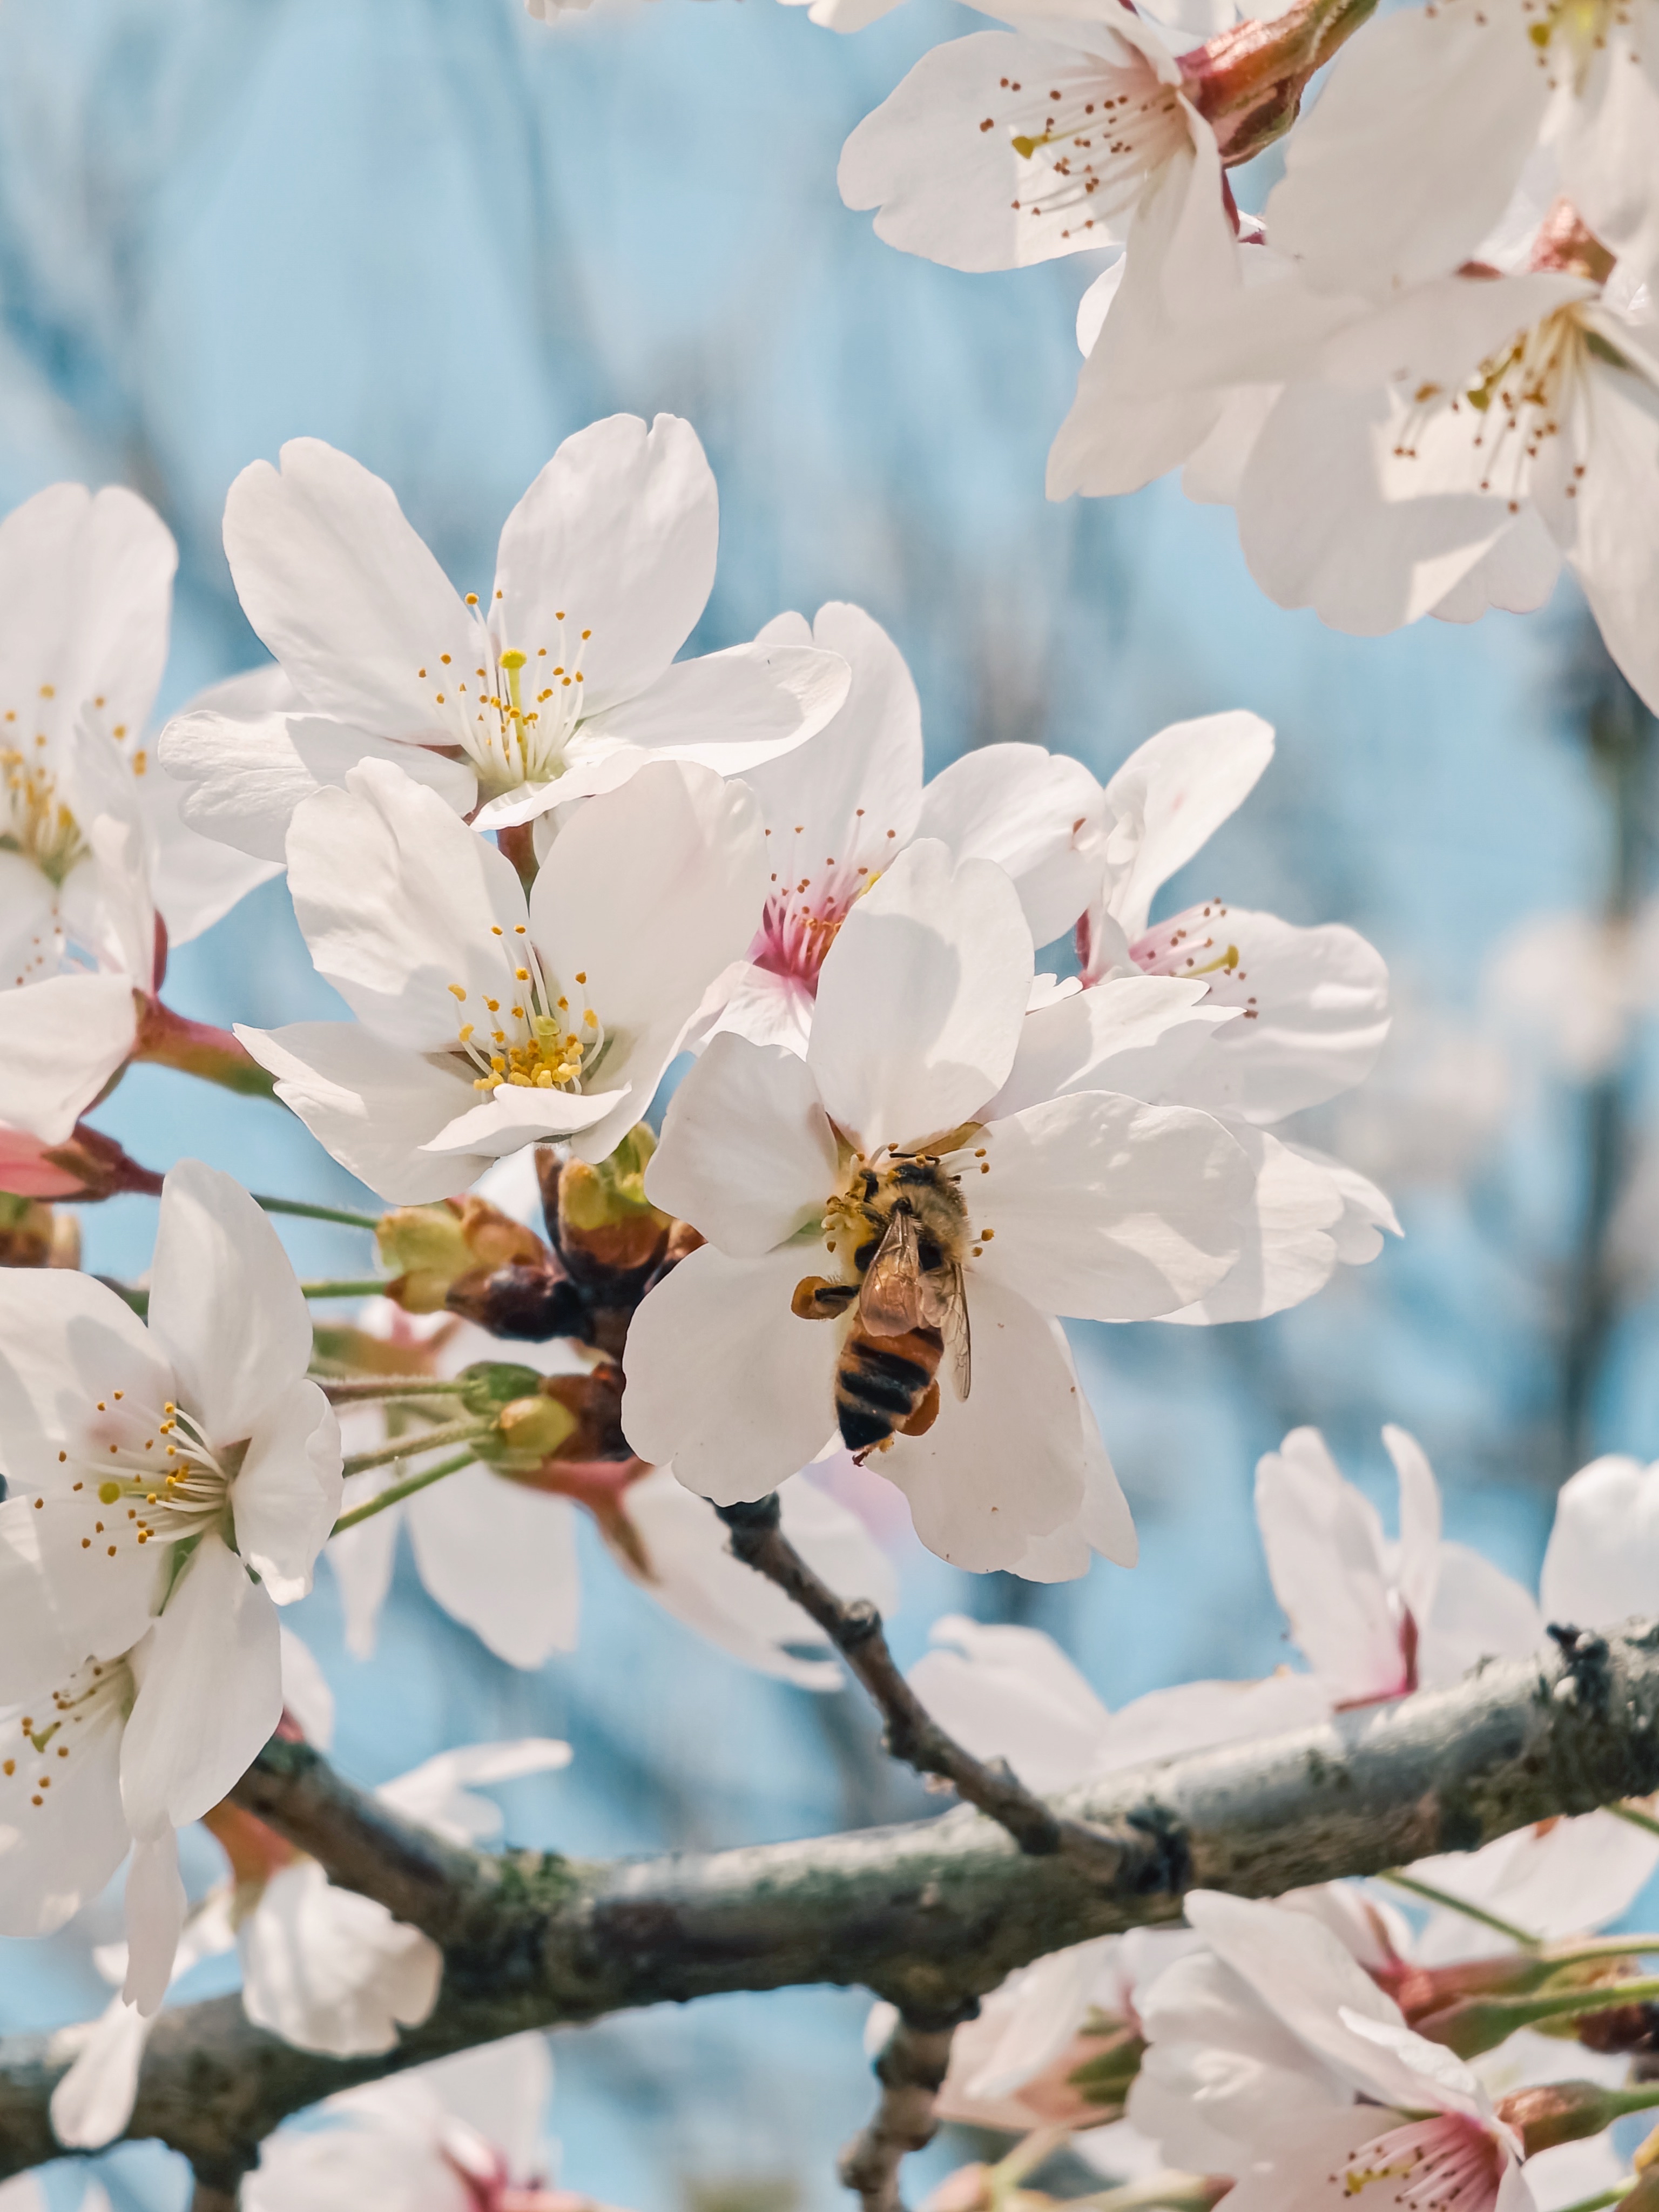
<point>433,1439</point>
<point>911,2070</point>
<point>910,1732</point>
<point>399,1490</point>
<point>303,1211</point>
<point>348,1286</point>
<point>370,1390</point>
<point>1445,1901</point>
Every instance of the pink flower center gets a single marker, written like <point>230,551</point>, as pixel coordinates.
<point>1450,2163</point>
<point>808,903</point>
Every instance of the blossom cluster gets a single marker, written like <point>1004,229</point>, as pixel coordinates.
<point>746,1112</point>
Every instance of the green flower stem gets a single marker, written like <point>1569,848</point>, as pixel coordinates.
<point>400,1491</point>
<point>369,1286</point>
<point>458,1433</point>
<point>1636,1819</point>
<point>1444,1897</point>
<point>368,1389</point>
<point>1608,2197</point>
<point>1478,2024</point>
<point>307,1212</point>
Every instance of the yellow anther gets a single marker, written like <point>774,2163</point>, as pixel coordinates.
<point>513,659</point>
<point>456,991</point>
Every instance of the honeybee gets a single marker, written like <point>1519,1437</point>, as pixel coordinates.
<point>912,1229</point>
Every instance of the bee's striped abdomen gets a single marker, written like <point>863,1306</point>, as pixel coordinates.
<point>881,1384</point>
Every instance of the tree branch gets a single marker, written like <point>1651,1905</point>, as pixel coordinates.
<point>435,1886</point>
<point>909,1732</point>
<point>911,2070</point>
<point>931,1915</point>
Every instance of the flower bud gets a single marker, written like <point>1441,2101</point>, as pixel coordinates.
<point>87,1166</point>
<point>32,1235</point>
<point>533,1429</point>
<point>1566,2112</point>
<point>427,1248</point>
<point>607,1230</point>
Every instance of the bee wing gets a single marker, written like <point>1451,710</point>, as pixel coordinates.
<point>951,1319</point>
<point>890,1302</point>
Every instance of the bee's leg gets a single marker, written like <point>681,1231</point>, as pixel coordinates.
<point>816,1298</point>
<point>925,1415</point>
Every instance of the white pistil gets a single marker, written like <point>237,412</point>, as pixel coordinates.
<point>150,1481</point>
<point>517,708</point>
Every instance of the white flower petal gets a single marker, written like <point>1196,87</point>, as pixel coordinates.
<point>60,1041</point>
<point>363,1560</point>
<point>691,1573</point>
<point>1470,93</point>
<point>374,1106</point>
<point>944,187</point>
<point>210,1695</point>
<point>1614,547</point>
<point>246,774</point>
<point>1602,1563</point>
<point>342,590</point>
<point>1107,1210</point>
<point>93,2101</point>
<point>650,891</point>
<point>1010,1692</point>
<point>66,1341</point>
<point>286,1496</point>
<point>1170,796</point>
<point>86,585</point>
<point>501,1557</point>
<point>1289,1247</point>
<point>617,536</point>
<point>1325,1555</point>
<point>920,999</point>
<point>1478,1614</point>
<point>747,1154</point>
<point>405,909</point>
<point>306,1696</point>
<point>724,1380</point>
<point>329,1970</point>
<point>196,879</point>
<point>1037,814</point>
<point>838,798</point>
<point>435,1792</point>
<point>155,1906</point>
<point>728,712</point>
<point>1134,1033</point>
<point>1316,1017</point>
<point>58,1854</point>
<point>225,1304</point>
<point>1010,1462</point>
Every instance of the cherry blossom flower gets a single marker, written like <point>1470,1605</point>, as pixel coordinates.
<point>840,810</point>
<point>1272,2056</point>
<point>91,844</point>
<point>463,2135</point>
<point>561,686</point>
<point>136,1643</point>
<point>1296,1015</point>
<point>1451,102</point>
<point>1003,148</point>
<point>1010,1692</point>
<point>1376,1620</point>
<point>324,1968</point>
<point>1091,1204</point>
<point>500,1554</point>
<point>484,1021</point>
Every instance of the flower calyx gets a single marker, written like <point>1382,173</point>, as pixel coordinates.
<point>1247,82</point>
<point>88,1166</point>
<point>548,1425</point>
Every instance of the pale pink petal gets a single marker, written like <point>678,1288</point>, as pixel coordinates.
<point>748,1155</point>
